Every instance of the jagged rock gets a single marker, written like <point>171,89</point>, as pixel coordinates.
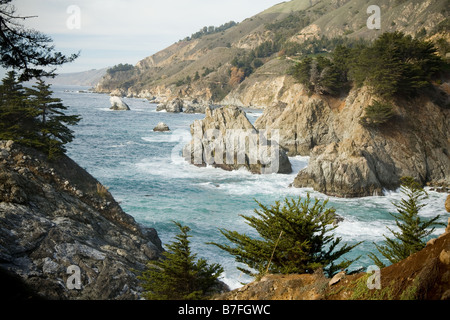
<point>118,104</point>
<point>161,127</point>
<point>195,106</point>
<point>174,106</point>
<point>349,160</point>
<point>225,138</point>
<point>52,217</point>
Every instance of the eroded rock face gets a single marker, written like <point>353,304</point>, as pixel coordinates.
<point>350,160</point>
<point>227,139</point>
<point>54,215</point>
<point>174,106</point>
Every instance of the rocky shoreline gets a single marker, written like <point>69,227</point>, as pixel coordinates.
<point>55,218</point>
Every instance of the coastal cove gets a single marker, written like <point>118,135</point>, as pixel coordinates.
<point>147,175</point>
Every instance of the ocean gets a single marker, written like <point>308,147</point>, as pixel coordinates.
<point>145,172</point>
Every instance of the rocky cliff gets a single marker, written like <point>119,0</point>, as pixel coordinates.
<point>350,160</point>
<point>56,220</point>
<point>424,275</point>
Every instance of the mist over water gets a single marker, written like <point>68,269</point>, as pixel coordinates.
<point>145,172</point>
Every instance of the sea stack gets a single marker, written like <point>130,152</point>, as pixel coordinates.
<point>118,104</point>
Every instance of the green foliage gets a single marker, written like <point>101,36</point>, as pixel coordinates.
<point>120,68</point>
<point>17,117</point>
<point>377,114</point>
<point>178,276</point>
<point>33,117</point>
<point>211,30</point>
<point>396,64</point>
<point>319,75</point>
<point>412,229</point>
<point>294,238</point>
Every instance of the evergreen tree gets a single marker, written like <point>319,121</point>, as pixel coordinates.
<point>17,116</point>
<point>178,276</point>
<point>53,122</point>
<point>412,229</point>
<point>293,238</point>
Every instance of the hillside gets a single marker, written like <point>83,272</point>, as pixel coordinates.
<point>202,67</point>
<point>85,78</point>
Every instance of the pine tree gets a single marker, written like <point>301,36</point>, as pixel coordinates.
<point>413,230</point>
<point>53,122</point>
<point>178,276</point>
<point>293,238</point>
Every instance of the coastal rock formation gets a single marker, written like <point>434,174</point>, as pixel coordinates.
<point>447,203</point>
<point>118,104</point>
<point>225,138</point>
<point>161,127</point>
<point>57,220</point>
<point>174,106</point>
<point>350,160</point>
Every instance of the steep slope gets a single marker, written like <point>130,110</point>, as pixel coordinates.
<point>201,67</point>
<point>55,218</point>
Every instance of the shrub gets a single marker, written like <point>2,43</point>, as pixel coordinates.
<point>377,114</point>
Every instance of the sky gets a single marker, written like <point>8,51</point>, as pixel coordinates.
<point>109,32</point>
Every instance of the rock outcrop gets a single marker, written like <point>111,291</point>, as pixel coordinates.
<point>161,127</point>
<point>350,160</point>
<point>56,219</point>
<point>225,138</point>
<point>174,106</point>
<point>118,104</point>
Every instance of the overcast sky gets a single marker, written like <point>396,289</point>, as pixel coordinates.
<point>109,32</point>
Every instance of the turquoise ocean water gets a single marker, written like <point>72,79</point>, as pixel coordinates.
<point>145,172</point>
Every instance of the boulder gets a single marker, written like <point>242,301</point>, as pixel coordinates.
<point>174,106</point>
<point>161,127</point>
<point>447,203</point>
<point>225,138</point>
<point>118,104</point>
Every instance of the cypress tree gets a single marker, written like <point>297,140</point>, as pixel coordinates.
<point>52,121</point>
<point>17,116</point>
<point>178,276</point>
<point>413,230</point>
<point>293,238</point>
